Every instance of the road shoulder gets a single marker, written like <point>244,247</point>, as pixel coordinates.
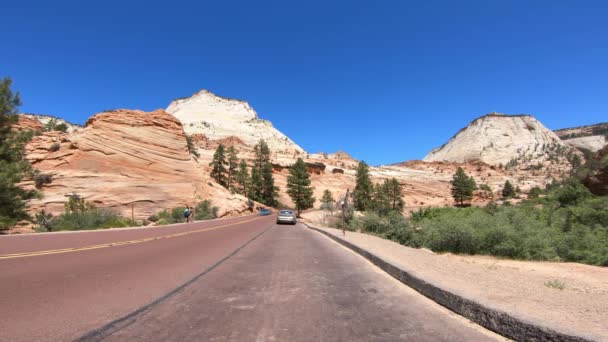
<point>462,286</point>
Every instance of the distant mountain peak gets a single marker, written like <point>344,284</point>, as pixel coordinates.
<point>497,139</point>
<point>219,117</point>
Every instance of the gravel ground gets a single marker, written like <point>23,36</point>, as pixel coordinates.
<point>519,288</point>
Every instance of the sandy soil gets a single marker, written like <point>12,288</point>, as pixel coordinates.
<point>519,288</point>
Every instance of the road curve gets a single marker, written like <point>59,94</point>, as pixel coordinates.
<point>71,288</point>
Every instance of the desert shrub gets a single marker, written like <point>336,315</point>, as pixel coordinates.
<point>54,147</point>
<point>568,224</point>
<point>571,193</point>
<point>82,215</point>
<point>53,125</point>
<point>40,179</point>
<point>174,215</point>
<point>534,192</point>
<point>191,147</point>
<point>205,210</point>
<point>90,219</point>
<point>163,221</point>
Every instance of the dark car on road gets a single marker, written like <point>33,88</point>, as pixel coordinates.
<point>287,216</point>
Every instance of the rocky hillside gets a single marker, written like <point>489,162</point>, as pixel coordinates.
<point>129,157</point>
<point>591,137</point>
<point>45,119</point>
<point>124,158</point>
<point>216,117</point>
<point>499,139</point>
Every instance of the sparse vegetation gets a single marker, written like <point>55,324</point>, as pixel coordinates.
<point>568,223</point>
<point>204,210</point>
<point>53,125</point>
<point>191,148</point>
<point>556,284</point>
<point>82,215</point>
<point>41,179</point>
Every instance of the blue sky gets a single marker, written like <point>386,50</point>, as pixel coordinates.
<point>386,81</point>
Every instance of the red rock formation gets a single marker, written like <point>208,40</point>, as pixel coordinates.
<point>27,123</point>
<point>123,158</point>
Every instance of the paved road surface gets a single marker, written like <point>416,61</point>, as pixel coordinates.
<point>287,284</point>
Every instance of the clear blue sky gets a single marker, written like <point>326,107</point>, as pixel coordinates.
<point>383,80</point>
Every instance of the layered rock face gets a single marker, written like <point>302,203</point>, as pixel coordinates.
<point>27,123</point>
<point>591,137</point>
<point>497,139</point>
<point>125,158</point>
<point>216,117</point>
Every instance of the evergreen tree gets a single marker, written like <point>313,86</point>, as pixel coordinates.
<point>394,192</point>
<point>263,189</point>
<point>327,201</point>
<point>13,166</point>
<point>363,188</point>
<point>242,179</point>
<point>233,164</point>
<point>298,186</point>
<point>255,186</point>
<point>508,190</point>
<point>462,187</point>
<point>269,190</point>
<point>218,166</point>
<point>191,147</point>
<point>380,203</point>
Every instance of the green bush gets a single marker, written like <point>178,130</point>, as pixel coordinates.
<point>90,219</point>
<point>40,179</point>
<point>569,224</point>
<point>168,216</point>
<point>204,210</point>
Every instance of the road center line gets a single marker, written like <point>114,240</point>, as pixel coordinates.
<point>119,243</point>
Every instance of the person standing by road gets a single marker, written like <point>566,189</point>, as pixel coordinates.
<point>187,214</point>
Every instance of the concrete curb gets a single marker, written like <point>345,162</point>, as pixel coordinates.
<point>497,321</point>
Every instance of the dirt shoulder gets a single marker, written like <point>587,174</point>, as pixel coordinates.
<point>519,288</point>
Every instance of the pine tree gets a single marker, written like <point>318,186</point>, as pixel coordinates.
<point>242,179</point>
<point>269,190</point>
<point>363,188</point>
<point>380,202</point>
<point>394,194</point>
<point>298,186</point>
<point>218,166</point>
<point>462,187</point>
<point>508,190</point>
<point>262,188</point>
<point>13,166</point>
<point>327,201</point>
<point>233,164</point>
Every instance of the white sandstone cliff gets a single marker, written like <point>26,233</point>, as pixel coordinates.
<point>216,118</point>
<point>498,139</point>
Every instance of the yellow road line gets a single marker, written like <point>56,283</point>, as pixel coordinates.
<point>119,243</point>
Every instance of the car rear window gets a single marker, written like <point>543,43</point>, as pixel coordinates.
<point>285,212</point>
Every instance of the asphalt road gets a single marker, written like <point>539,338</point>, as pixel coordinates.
<point>246,280</point>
